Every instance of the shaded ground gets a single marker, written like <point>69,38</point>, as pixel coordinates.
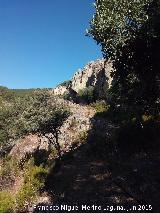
<point>96,174</point>
<point>82,179</point>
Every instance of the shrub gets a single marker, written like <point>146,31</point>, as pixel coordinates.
<point>66,83</point>
<point>66,96</point>
<point>82,136</point>
<point>8,171</point>
<point>86,94</point>
<point>34,180</point>
<point>6,202</point>
<point>100,106</point>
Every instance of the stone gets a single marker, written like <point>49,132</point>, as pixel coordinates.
<point>95,74</point>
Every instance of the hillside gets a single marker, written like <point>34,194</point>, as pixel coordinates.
<point>56,151</point>
<point>92,143</point>
<point>90,168</point>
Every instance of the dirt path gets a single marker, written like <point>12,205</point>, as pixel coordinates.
<point>85,180</point>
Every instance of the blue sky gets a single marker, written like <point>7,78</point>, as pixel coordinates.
<point>43,42</point>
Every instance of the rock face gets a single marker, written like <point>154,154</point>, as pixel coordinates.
<point>95,74</point>
<point>60,90</point>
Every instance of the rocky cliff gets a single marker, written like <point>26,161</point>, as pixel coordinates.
<point>95,74</point>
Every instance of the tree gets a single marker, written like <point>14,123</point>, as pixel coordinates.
<point>40,113</point>
<point>44,116</point>
<point>129,33</point>
<point>116,22</point>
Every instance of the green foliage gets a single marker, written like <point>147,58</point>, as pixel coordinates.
<point>34,179</point>
<point>136,86</point>
<point>65,83</point>
<point>23,92</point>
<point>9,171</point>
<point>5,94</point>
<point>115,22</point>
<point>66,96</point>
<point>8,95</point>
<point>74,123</point>
<point>42,114</point>
<point>100,106</point>
<point>86,94</point>
<point>82,136</point>
<point>37,113</point>
<point>8,113</point>
<point>129,33</point>
<point>6,202</point>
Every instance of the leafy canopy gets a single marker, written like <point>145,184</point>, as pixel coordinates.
<point>129,34</point>
<point>116,21</point>
<point>39,113</point>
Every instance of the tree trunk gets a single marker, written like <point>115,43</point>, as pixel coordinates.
<point>57,145</point>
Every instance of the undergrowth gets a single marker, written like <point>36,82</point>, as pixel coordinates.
<point>33,182</point>
<point>7,202</point>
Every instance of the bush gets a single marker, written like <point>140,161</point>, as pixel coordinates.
<point>6,202</point>
<point>86,95</point>
<point>9,171</point>
<point>65,83</point>
<point>66,96</point>
<point>74,123</point>
<point>34,180</point>
<point>82,136</point>
<point>100,106</point>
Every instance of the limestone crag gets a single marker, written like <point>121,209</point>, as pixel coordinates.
<point>95,74</point>
<point>60,90</point>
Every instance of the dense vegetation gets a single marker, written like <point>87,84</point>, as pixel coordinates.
<point>33,177</point>
<point>34,112</point>
<point>21,113</point>
<point>129,34</point>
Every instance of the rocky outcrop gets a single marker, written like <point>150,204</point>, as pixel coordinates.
<point>95,74</point>
<point>72,132</point>
<point>60,90</point>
